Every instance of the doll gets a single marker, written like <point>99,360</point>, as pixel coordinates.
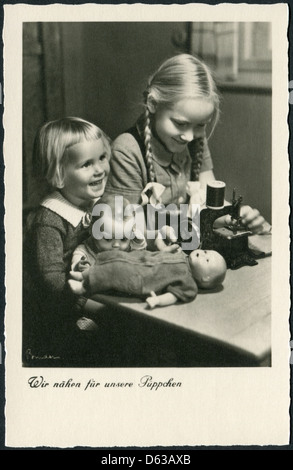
<point>115,259</point>
<point>161,278</point>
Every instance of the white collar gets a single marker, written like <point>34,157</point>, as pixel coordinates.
<point>68,211</point>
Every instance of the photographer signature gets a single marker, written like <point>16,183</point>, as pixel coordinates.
<point>30,356</point>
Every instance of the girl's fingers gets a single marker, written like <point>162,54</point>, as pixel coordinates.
<point>248,214</point>
<point>76,275</point>
<point>256,223</point>
<point>168,234</point>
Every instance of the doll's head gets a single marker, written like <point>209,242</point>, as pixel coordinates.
<point>70,141</point>
<point>180,101</point>
<point>113,224</point>
<point>208,268</point>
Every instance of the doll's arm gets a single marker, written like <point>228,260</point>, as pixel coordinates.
<point>161,300</point>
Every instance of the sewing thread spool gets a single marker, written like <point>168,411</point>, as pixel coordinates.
<point>215,194</point>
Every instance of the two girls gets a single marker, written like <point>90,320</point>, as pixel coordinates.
<point>168,145</point>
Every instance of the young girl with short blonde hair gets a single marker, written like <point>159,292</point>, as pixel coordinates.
<point>71,158</point>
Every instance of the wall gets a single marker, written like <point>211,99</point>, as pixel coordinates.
<point>107,66</point>
<point>241,147</point>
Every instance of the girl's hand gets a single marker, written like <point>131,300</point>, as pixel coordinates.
<point>255,222</point>
<point>166,240</point>
<point>250,218</point>
<point>82,265</point>
<point>77,276</point>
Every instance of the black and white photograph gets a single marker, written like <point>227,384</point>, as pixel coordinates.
<point>151,217</point>
<point>150,87</point>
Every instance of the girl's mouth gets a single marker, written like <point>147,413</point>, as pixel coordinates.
<point>97,182</point>
<point>180,142</point>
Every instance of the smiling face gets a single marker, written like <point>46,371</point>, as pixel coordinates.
<point>186,120</point>
<point>208,268</point>
<point>86,168</point>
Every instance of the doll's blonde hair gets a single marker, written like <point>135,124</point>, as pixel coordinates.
<point>179,77</point>
<point>51,142</point>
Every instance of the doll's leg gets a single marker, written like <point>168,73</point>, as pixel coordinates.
<point>161,300</point>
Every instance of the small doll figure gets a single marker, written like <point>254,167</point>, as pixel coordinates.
<point>208,269</point>
<point>116,231</point>
<point>161,278</point>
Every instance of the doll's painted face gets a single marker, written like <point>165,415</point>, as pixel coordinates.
<point>208,268</point>
<point>113,237</point>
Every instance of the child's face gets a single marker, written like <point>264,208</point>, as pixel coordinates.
<point>186,120</point>
<point>113,244</point>
<point>208,267</point>
<point>86,170</point>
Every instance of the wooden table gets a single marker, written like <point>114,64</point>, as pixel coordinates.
<point>230,326</point>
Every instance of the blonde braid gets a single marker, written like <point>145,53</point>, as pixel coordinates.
<point>147,142</point>
<point>196,159</point>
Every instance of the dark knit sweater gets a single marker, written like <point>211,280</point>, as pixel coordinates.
<point>48,304</point>
<point>48,249</point>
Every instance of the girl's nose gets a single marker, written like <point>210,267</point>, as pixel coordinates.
<point>187,136</point>
<point>116,244</point>
<point>98,169</point>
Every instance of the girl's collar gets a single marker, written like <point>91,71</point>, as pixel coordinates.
<point>68,211</point>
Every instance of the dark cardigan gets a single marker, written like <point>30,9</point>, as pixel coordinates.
<point>50,310</point>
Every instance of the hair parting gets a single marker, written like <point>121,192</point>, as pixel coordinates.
<point>179,77</point>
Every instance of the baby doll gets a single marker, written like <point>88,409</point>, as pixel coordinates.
<point>161,278</point>
<point>114,258</point>
<point>208,269</point>
<point>104,265</point>
<point>116,230</point>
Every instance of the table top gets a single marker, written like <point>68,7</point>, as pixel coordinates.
<point>238,314</point>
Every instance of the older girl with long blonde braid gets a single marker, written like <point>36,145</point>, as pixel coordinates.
<point>168,146</point>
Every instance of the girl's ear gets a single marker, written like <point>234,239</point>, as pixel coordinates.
<point>151,104</point>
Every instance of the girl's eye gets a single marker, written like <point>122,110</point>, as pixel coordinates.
<point>103,157</point>
<point>86,164</point>
<point>180,124</point>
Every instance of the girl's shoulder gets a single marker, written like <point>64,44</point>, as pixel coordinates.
<point>42,216</point>
<point>128,142</point>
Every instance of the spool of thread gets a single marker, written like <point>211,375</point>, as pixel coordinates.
<point>215,194</point>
